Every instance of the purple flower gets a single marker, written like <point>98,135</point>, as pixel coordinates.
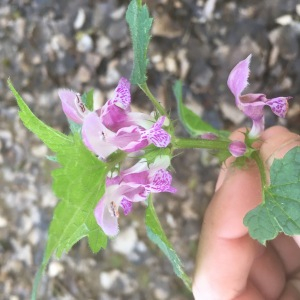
<point>114,127</point>
<point>73,106</point>
<point>237,148</point>
<point>131,185</point>
<point>252,104</point>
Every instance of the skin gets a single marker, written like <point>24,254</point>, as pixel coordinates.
<point>231,265</point>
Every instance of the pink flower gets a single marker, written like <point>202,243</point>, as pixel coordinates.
<point>114,127</point>
<point>132,185</point>
<point>73,106</point>
<point>252,104</point>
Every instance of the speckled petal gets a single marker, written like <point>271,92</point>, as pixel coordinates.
<point>279,105</point>
<point>122,96</point>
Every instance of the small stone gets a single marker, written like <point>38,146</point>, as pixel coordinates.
<point>55,268</point>
<point>85,44</point>
<point>298,9</point>
<point>39,150</point>
<point>125,241</point>
<point>3,222</point>
<point>118,13</point>
<point>117,31</point>
<point>104,46</point>
<point>117,281</point>
<point>83,74</point>
<point>80,19</point>
<point>284,20</point>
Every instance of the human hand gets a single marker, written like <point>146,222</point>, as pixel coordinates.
<point>230,264</point>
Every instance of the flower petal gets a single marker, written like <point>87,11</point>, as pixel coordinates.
<point>258,127</point>
<point>129,139</point>
<point>105,218</point>
<point>161,182</point>
<point>122,96</point>
<point>95,136</point>
<point>279,105</point>
<point>72,105</point>
<point>156,135</point>
<point>126,205</point>
<point>238,77</point>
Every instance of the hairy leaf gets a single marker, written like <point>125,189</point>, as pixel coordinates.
<point>79,183</point>
<point>54,139</point>
<point>158,237</point>
<point>137,17</point>
<point>279,212</point>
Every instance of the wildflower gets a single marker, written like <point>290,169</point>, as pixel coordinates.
<point>237,148</point>
<point>114,126</point>
<point>131,185</point>
<point>252,104</point>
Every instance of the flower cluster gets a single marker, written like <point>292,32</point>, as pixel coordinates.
<point>114,127</point>
<point>132,185</point>
<point>252,104</point>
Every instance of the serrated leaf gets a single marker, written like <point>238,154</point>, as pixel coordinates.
<point>54,139</point>
<point>280,209</point>
<point>79,193</point>
<point>79,183</point>
<point>158,237</point>
<point>139,22</point>
<point>192,123</point>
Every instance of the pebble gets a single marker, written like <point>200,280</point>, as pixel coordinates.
<point>85,44</point>
<point>118,282</point>
<point>80,19</point>
<point>55,268</point>
<point>39,150</point>
<point>3,222</point>
<point>125,241</point>
<point>83,74</point>
<point>104,46</point>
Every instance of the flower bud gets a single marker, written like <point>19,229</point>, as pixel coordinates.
<point>237,148</point>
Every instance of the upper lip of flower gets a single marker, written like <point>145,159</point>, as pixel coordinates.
<point>252,104</point>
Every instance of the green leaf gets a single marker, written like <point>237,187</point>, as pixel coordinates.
<point>73,217</point>
<point>192,123</point>
<point>139,22</point>
<point>158,237</point>
<point>54,139</point>
<point>279,212</point>
<point>88,99</point>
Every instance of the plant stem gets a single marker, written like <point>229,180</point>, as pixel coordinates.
<point>262,171</point>
<point>157,105</point>
<point>186,143</point>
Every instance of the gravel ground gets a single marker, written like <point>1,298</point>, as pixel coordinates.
<point>46,45</point>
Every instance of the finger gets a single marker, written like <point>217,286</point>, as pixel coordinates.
<point>277,141</point>
<point>226,252</point>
